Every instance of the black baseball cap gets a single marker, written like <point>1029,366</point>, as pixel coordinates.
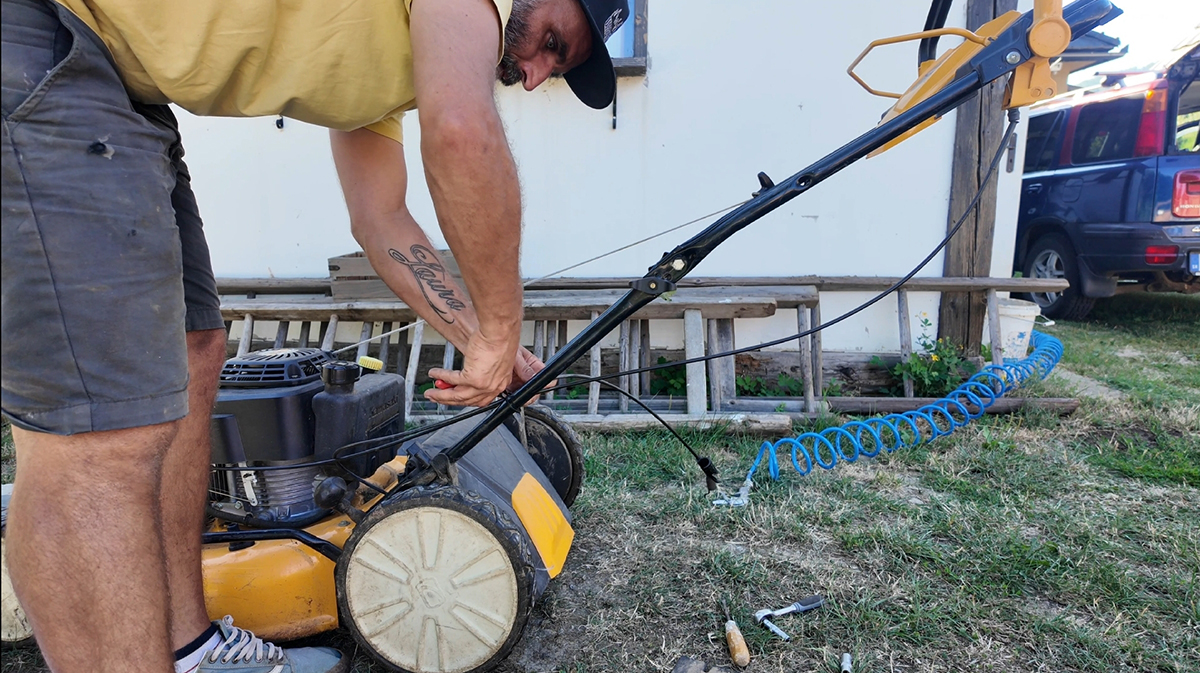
<point>594,81</point>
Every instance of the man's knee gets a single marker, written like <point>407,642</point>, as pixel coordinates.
<point>208,346</point>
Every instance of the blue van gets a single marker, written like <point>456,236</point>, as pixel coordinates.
<point>1110,198</point>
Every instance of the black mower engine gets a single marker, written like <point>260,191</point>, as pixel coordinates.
<point>287,410</point>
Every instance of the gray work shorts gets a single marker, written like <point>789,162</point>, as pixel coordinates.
<point>105,266</point>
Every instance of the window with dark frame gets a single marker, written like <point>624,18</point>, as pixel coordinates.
<point>1045,134</point>
<point>628,45</point>
<point>1107,131</point>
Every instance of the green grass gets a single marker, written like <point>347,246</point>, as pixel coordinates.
<point>1021,543</point>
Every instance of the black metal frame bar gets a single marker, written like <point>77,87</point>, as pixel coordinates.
<point>1001,57</point>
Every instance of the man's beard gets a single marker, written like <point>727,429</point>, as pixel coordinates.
<point>516,33</point>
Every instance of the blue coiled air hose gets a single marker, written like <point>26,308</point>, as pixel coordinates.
<point>912,428</point>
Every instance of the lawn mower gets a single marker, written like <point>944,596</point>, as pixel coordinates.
<point>432,545</point>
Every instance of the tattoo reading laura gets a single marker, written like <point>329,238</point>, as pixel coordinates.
<point>432,279</point>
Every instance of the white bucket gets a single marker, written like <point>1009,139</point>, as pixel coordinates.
<point>1017,319</point>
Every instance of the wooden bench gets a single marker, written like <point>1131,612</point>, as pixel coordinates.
<point>707,306</point>
<point>549,310</point>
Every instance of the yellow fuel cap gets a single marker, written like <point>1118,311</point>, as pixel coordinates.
<point>368,362</point>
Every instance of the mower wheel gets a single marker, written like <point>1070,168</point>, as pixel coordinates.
<point>436,579</point>
<point>556,449</point>
<point>15,630</point>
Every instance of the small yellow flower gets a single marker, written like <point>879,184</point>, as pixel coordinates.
<point>935,358</point>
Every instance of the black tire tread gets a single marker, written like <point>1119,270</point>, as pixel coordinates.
<point>547,416</point>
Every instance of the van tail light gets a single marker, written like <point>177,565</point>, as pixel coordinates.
<point>1153,127</point>
<point>1162,254</point>
<point>1186,202</point>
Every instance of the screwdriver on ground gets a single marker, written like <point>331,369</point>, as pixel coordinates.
<point>738,652</point>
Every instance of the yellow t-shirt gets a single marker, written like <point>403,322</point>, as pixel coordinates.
<point>341,64</point>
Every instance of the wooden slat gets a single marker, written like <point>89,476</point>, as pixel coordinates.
<point>644,359</point>
<point>330,333</point>
<point>993,310</point>
<point>817,352</point>
<point>539,340</point>
<point>281,333</point>
<point>320,286</point>
<point>623,360</point>
<point>273,285</point>
<point>905,335</point>
<point>447,363</point>
<point>385,344</point>
<point>693,347</point>
<point>634,381</point>
<point>551,346</point>
<point>594,370</point>
<point>806,362</point>
<point>821,283</point>
<point>247,335</point>
<point>722,384</point>
<point>410,372</point>
<point>771,425</point>
<point>896,405</point>
<point>305,330</point>
<point>367,329</point>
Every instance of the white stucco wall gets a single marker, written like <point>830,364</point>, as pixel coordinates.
<point>728,93</point>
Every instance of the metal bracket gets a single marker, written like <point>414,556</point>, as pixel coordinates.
<point>653,286</point>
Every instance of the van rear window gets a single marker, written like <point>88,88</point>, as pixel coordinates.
<point>1107,131</point>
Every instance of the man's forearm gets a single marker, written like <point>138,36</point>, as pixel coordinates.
<point>405,260</point>
<point>473,181</point>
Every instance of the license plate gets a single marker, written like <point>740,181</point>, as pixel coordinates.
<point>1194,263</point>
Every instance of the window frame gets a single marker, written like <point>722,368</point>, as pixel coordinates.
<point>1133,100</point>
<point>635,66</point>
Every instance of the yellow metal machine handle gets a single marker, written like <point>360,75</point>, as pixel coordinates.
<point>959,32</point>
<point>1032,81</point>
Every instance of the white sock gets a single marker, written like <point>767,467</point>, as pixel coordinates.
<point>190,662</point>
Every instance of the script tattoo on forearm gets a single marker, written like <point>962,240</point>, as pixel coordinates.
<point>432,279</point>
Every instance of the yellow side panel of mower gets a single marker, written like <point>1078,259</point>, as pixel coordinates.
<point>279,589</point>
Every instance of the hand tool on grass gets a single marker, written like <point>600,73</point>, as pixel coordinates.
<point>764,617</point>
<point>738,652</point>
<point>846,663</point>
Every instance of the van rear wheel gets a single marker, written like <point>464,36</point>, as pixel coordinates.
<point>1052,256</point>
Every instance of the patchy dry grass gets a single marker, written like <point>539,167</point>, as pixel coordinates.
<point>1021,543</point>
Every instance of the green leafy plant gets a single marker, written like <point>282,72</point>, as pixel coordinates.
<point>939,368</point>
<point>669,381</point>
<point>784,385</point>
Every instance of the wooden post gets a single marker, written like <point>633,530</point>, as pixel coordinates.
<point>644,361</point>
<point>330,334</point>
<point>818,363</point>
<point>551,346</point>
<point>993,309</point>
<point>385,344</point>
<point>693,347</point>
<point>806,361</point>
<point>305,329</point>
<point>281,333</point>
<point>594,370</point>
<point>622,365</point>
<point>447,363</point>
<point>410,372</point>
<point>978,133</point>
<point>905,334</point>
<point>247,335</point>
<point>539,339</point>
<point>722,385</point>
<point>401,343</point>
<point>635,356</point>
<point>367,329</point>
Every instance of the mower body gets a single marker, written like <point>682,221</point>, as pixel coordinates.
<point>291,421</point>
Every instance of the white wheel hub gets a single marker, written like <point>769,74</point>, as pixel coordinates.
<point>432,589</point>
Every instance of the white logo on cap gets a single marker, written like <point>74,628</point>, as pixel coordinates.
<point>613,24</point>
